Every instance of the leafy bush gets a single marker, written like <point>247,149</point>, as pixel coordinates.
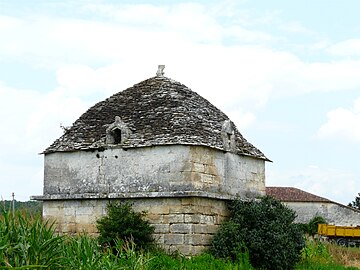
<point>122,222</point>
<point>311,228</point>
<point>263,227</point>
<point>313,224</point>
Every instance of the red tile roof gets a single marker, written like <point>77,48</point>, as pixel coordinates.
<point>290,194</point>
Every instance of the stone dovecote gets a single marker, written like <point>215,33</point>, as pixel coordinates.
<point>161,146</point>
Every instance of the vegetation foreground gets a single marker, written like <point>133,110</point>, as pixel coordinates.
<point>26,242</point>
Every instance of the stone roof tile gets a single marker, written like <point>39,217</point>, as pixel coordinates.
<point>157,111</point>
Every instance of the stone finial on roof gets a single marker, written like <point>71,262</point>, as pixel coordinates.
<point>160,71</point>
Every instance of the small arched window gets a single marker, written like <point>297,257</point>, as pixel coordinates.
<point>116,133</point>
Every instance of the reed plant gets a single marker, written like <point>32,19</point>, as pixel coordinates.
<point>27,242</point>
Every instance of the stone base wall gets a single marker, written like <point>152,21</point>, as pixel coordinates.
<point>181,224</point>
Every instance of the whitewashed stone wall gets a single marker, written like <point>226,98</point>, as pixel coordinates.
<point>334,213</point>
<point>168,148</point>
<point>152,171</point>
<point>183,189</point>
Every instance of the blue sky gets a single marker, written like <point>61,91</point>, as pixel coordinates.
<point>286,72</point>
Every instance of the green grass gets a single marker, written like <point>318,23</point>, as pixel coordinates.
<point>28,243</point>
<point>321,255</point>
<point>322,266</point>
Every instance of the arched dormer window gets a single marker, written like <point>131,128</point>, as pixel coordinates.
<point>117,132</point>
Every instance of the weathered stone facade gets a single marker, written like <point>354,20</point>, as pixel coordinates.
<point>174,170</point>
<point>184,189</point>
<point>334,213</point>
<point>186,224</point>
<point>164,148</point>
<point>308,205</point>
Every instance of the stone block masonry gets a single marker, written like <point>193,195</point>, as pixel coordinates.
<point>182,188</point>
<point>161,146</point>
<point>158,171</point>
<point>184,224</point>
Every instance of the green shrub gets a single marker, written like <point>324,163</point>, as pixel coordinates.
<point>121,222</point>
<point>313,224</point>
<point>265,228</point>
<point>311,228</point>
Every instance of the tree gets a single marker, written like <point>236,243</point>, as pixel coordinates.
<point>122,222</point>
<point>314,223</point>
<point>265,229</point>
<point>355,204</point>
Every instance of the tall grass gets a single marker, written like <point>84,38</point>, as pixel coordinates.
<point>348,256</point>
<point>26,242</point>
<point>84,252</point>
<point>205,261</point>
<point>323,255</point>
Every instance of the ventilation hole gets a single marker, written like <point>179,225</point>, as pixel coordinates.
<point>116,156</point>
<point>97,155</point>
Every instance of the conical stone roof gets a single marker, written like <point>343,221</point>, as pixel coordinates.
<point>157,111</point>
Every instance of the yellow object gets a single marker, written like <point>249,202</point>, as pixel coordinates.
<point>338,231</point>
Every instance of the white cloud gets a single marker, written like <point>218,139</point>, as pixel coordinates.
<point>84,81</point>
<point>342,124</point>
<point>330,76</point>
<point>132,39</point>
<point>324,182</point>
<point>119,45</point>
<point>242,119</point>
<point>350,47</point>
<point>15,106</point>
<point>29,116</point>
<point>22,179</point>
<point>54,109</point>
<point>29,123</point>
<point>295,27</point>
<point>125,44</point>
<point>8,23</point>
